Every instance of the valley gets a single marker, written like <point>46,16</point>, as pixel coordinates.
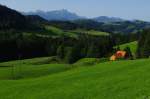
<point>62,55</point>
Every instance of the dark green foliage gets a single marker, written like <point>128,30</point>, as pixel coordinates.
<point>88,24</point>
<point>144,44</point>
<point>124,27</point>
<point>92,52</point>
<point>35,19</point>
<point>20,46</point>
<point>11,19</point>
<point>65,25</point>
<point>61,51</point>
<point>118,48</point>
<point>128,53</point>
<point>73,54</point>
<point>69,58</point>
<point>119,39</point>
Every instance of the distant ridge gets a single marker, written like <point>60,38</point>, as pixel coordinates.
<point>61,15</point>
<point>106,19</point>
<point>65,15</point>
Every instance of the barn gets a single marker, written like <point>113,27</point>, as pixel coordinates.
<point>118,55</point>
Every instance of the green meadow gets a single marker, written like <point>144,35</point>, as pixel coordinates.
<point>91,32</point>
<point>88,78</point>
<point>132,45</point>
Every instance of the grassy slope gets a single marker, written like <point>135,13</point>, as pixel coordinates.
<point>30,68</point>
<point>109,80</point>
<point>91,32</point>
<point>60,32</point>
<point>74,33</point>
<point>90,61</point>
<point>132,45</point>
<point>52,32</point>
<point>56,32</point>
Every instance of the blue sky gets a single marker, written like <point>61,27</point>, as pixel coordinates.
<point>128,9</point>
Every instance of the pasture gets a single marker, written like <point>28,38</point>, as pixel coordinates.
<point>38,79</point>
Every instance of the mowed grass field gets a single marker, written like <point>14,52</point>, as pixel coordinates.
<point>37,79</point>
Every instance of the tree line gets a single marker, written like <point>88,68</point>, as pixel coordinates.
<point>143,50</point>
<point>15,46</point>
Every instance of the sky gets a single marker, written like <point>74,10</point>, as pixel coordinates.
<point>127,9</point>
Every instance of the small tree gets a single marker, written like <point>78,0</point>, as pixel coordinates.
<point>128,53</point>
<point>146,47</point>
<point>93,51</point>
<point>61,51</point>
<point>118,48</point>
<point>69,55</point>
<point>73,54</point>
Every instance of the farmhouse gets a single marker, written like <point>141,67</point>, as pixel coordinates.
<point>118,55</point>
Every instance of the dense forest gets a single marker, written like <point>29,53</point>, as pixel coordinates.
<point>20,46</point>
<point>144,44</point>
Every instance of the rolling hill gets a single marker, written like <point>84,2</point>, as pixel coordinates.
<point>108,80</point>
<point>132,45</point>
<point>35,19</point>
<point>59,32</point>
<point>10,18</point>
<point>91,32</point>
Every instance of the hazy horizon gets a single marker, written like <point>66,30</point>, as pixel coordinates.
<point>129,9</point>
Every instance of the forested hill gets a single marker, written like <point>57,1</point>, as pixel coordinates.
<point>11,19</point>
<point>124,27</point>
<point>37,20</point>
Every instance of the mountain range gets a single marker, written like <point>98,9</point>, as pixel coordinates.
<point>61,15</point>
<point>65,15</point>
<point>12,19</point>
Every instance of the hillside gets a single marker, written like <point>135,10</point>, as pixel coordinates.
<point>11,19</point>
<point>121,27</point>
<point>91,32</point>
<point>73,33</point>
<point>59,32</point>
<point>35,19</point>
<point>126,27</point>
<point>132,45</point>
<point>109,80</point>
